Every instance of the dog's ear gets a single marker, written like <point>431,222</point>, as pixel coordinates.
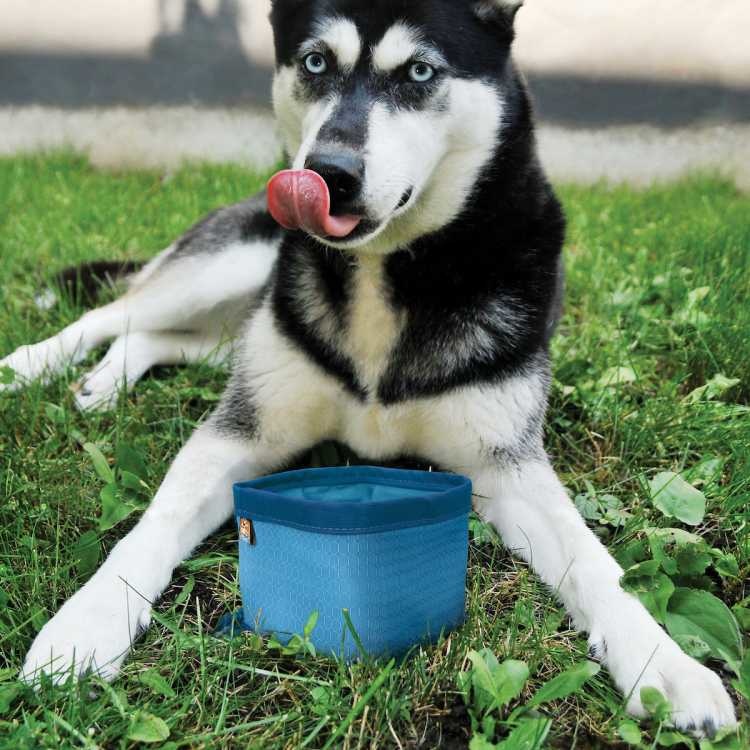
<point>499,12</point>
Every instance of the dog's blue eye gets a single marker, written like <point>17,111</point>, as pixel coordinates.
<point>316,64</point>
<point>421,72</point>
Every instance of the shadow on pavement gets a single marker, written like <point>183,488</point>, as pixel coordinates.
<point>600,102</point>
<point>203,62</point>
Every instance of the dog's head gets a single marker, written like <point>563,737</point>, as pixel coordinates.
<point>398,106</point>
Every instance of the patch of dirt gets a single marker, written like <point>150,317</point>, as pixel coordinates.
<point>450,730</point>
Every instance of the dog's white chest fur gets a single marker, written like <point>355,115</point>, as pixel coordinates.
<point>373,327</point>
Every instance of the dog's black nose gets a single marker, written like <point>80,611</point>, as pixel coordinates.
<point>344,174</point>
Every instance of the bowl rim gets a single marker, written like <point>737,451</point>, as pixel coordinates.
<point>444,497</point>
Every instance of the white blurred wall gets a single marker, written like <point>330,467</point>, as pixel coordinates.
<point>125,27</point>
<point>689,40</point>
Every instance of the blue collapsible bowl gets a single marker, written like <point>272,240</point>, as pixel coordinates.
<point>387,545</point>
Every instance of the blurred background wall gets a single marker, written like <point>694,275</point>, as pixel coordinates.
<point>625,89</point>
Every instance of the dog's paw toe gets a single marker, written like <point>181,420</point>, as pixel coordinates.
<point>9,387</point>
<point>69,656</point>
<point>28,363</point>
<point>96,392</point>
<point>597,648</point>
<point>699,702</point>
<point>92,633</point>
<point>11,377</point>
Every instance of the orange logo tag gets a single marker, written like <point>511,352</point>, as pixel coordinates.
<point>247,530</point>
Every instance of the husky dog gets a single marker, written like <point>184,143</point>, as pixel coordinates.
<point>395,290</point>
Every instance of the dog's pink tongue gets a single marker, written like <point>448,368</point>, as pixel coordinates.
<point>299,199</point>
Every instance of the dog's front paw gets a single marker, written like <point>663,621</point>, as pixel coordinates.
<point>93,632</point>
<point>9,377</point>
<point>98,390</point>
<point>28,363</point>
<point>638,654</point>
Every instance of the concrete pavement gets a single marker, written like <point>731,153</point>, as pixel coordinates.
<point>165,137</point>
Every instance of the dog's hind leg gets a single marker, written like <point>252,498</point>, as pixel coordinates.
<point>205,281</point>
<point>202,291</point>
<point>132,312</point>
<point>48,358</point>
<point>45,359</point>
<point>530,508</point>
<point>131,356</point>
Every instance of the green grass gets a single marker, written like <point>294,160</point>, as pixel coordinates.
<point>659,283</point>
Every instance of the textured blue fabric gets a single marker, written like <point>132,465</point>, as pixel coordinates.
<point>356,498</point>
<point>402,586</point>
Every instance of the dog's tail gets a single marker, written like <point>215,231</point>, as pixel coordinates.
<point>84,284</point>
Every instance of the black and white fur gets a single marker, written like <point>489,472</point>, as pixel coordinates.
<point>425,333</point>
